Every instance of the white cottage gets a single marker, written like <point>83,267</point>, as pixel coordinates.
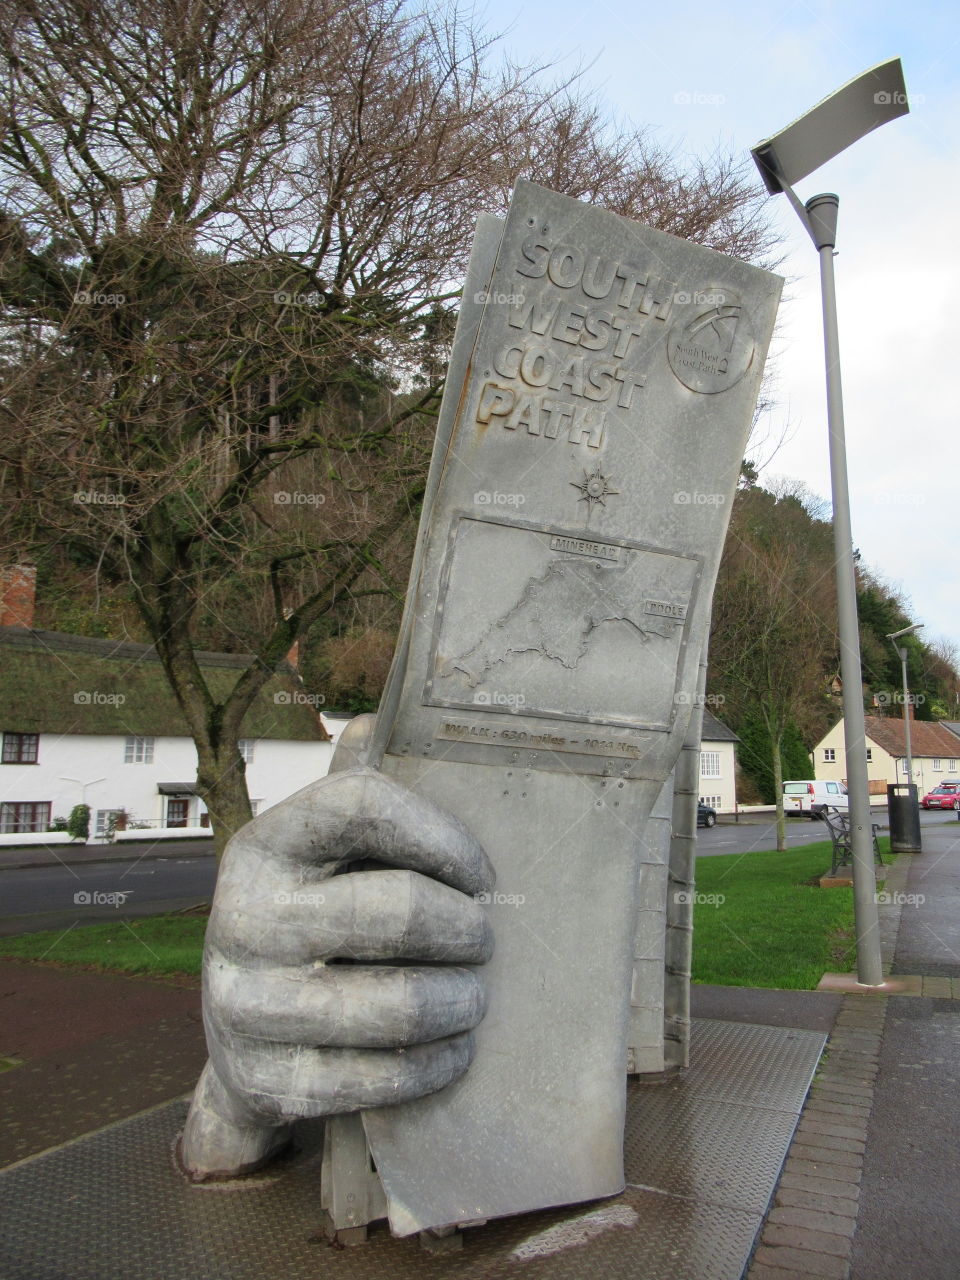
<point>718,765</point>
<point>94,722</point>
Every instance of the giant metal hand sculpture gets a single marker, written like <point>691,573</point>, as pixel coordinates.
<point>314,1000</point>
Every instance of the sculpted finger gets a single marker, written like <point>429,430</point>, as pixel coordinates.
<point>285,1081</point>
<point>363,915</point>
<point>361,815</point>
<point>347,1006</point>
<point>222,1138</point>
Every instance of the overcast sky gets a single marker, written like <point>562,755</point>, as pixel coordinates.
<point>731,74</point>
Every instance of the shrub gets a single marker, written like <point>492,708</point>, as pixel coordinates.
<point>78,824</point>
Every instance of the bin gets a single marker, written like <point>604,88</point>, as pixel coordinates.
<point>904,809</point>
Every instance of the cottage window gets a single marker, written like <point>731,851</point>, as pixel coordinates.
<point>937,765</point>
<point>709,764</point>
<point>18,818</point>
<point>246,750</point>
<point>953,766</point>
<point>138,751</point>
<point>829,754</point>
<point>869,754</point>
<point>107,822</point>
<point>20,748</point>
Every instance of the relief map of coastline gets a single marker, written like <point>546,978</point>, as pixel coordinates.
<point>560,625</point>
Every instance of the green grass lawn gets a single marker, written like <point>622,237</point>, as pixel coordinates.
<point>760,922</point>
<point>148,945</point>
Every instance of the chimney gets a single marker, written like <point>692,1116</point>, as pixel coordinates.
<point>18,593</point>
<point>293,653</point>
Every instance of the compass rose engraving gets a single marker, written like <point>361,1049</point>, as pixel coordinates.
<point>594,488</point>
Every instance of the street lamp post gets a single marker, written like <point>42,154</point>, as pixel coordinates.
<point>903,653</point>
<point>823,132</point>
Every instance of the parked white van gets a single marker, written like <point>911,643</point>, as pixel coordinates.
<point>812,796</point>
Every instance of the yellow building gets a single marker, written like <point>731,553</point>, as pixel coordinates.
<point>935,750</point>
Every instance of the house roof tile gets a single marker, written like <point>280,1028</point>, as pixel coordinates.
<point>927,738</point>
<point>715,730</point>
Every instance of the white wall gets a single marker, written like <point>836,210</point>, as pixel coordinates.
<point>720,793</point>
<point>280,768</point>
<point>89,769</point>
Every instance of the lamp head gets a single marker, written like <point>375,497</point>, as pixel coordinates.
<point>854,110</point>
<point>905,631</point>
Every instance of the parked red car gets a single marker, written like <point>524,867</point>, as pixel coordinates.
<point>946,796</point>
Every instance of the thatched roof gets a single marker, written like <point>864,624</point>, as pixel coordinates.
<point>56,683</point>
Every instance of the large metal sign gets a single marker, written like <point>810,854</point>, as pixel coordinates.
<point>588,453</point>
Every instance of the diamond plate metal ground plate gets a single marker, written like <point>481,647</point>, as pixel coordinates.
<point>751,1065</point>
<point>111,1206</point>
<point>704,1150</point>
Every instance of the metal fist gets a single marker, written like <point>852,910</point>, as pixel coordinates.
<point>336,972</point>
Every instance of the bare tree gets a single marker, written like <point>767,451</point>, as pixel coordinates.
<point>230,248</point>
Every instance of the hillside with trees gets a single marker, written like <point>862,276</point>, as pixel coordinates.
<point>774,664</point>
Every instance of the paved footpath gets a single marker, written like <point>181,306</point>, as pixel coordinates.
<point>870,1189</point>
<point>909,1221</point>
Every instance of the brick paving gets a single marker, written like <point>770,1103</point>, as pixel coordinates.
<point>811,1231</point>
